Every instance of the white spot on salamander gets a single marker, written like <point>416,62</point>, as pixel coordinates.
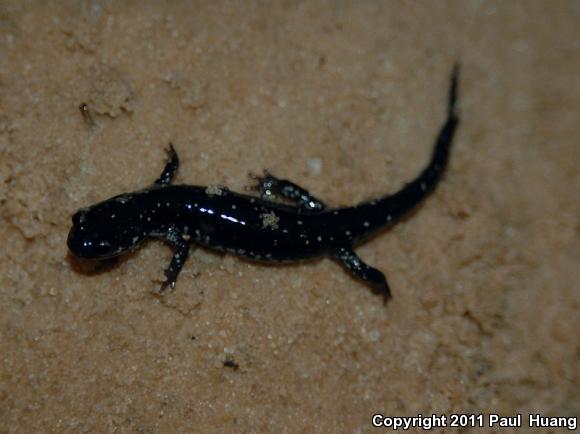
<point>214,190</point>
<point>366,224</point>
<point>124,198</point>
<point>270,220</point>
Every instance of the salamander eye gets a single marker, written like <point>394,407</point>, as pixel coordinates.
<point>77,218</point>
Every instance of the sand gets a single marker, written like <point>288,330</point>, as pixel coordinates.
<point>345,98</point>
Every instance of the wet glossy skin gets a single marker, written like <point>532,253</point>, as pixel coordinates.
<point>257,228</point>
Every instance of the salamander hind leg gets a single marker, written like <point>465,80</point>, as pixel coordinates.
<point>181,248</point>
<point>170,168</point>
<point>368,274</point>
<point>270,187</point>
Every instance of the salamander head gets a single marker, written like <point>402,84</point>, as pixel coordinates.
<point>105,230</point>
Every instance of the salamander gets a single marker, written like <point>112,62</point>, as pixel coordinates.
<point>283,223</point>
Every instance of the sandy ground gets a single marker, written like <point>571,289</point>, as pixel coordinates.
<point>345,98</point>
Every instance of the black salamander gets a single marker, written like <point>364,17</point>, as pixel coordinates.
<point>258,228</point>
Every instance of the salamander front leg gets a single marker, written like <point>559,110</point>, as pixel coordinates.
<point>181,248</point>
<point>368,274</point>
<point>270,186</point>
<point>170,168</point>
